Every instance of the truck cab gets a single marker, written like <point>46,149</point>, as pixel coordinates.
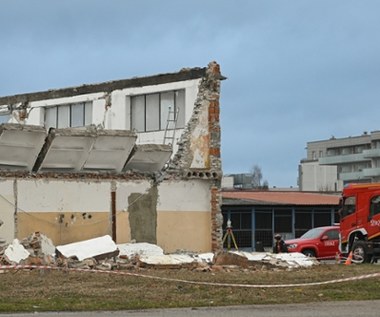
<point>360,221</point>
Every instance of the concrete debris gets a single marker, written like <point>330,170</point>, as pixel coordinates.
<point>39,245</point>
<point>168,261</point>
<point>98,248</point>
<point>15,252</point>
<point>285,260</point>
<point>139,249</point>
<point>204,258</point>
<point>103,254</point>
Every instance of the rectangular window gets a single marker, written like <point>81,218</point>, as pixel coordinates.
<point>138,113</point>
<point>51,117</point>
<point>77,115</point>
<point>63,117</point>
<point>71,115</point>
<point>150,112</point>
<point>283,221</point>
<point>88,113</point>
<point>180,105</point>
<point>322,219</point>
<point>167,104</point>
<point>303,222</point>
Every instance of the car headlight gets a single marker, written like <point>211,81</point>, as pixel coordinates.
<point>292,246</point>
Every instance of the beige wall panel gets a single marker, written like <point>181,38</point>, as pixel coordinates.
<point>63,196</point>
<point>184,196</point>
<point>64,227</point>
<point>7,209</point>
<point>123,231</point>
<point>189,231</point>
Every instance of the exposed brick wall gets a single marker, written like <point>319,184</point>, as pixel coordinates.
<point>213,72</point>
<point>191,144</point>
<point>207,102</point>
<point>216,220</point>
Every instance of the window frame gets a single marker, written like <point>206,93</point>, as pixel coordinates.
<point>161,121</point>
<point>85,113</point>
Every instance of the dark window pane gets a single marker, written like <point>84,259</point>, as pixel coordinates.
<point>264,237</point>
<point>283,224</point>
<point>246,220</point>
<point>263,220</point>
<point>303,220</point>
<point>235,220</point>
<point>322,219</point>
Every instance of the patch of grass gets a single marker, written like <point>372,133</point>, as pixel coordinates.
<point>35,290</point>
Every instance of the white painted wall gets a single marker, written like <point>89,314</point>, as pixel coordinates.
<point>184,196</point>
<point>81,196</point>
<point>64,195</point>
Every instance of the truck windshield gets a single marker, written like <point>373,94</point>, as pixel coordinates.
<point>348,206</point>
<point>312,233</point>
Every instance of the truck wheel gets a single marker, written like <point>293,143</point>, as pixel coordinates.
<point>308,252</point>
<point>359,252</point>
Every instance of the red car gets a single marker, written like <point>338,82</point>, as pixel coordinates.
<point>320,242</point>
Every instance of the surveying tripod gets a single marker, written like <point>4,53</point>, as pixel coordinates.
<point>229,235</point>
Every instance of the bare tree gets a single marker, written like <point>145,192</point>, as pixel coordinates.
<point>257,177</point>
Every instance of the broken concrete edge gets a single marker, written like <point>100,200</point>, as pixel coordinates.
<point>107,87</point>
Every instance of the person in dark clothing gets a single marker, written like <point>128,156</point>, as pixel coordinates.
<point>279,245</point>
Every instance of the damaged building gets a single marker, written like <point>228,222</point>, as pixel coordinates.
<point>137,159</point>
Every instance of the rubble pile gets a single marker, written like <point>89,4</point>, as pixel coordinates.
<point>103,254</point>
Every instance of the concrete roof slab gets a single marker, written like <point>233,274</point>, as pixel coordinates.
<point>20,145</point>
<point>87,150</point>
<point>149,157</point>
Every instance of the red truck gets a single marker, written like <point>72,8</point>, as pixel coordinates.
<point>360,221</point>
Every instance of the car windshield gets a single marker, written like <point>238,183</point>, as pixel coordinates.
<point>312,233</point>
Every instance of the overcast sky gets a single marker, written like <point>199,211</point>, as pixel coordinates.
<point>298,70</point>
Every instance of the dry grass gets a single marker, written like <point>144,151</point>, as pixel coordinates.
<point>57,290</point>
